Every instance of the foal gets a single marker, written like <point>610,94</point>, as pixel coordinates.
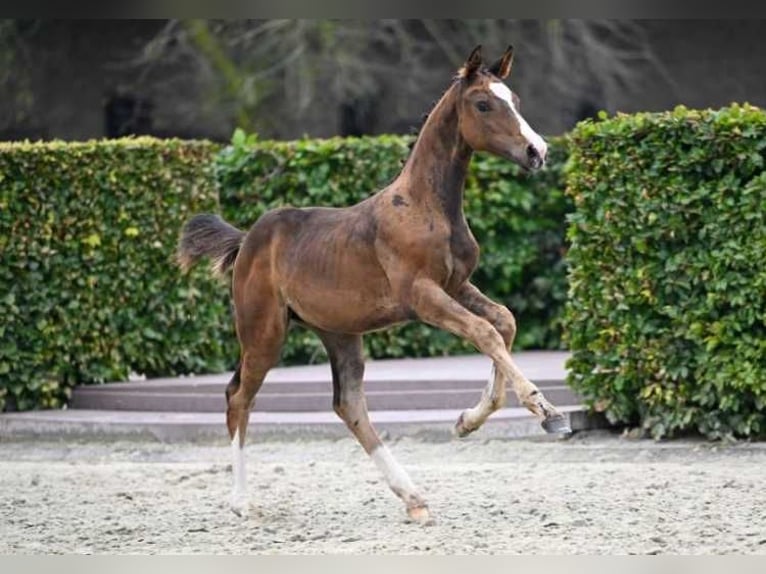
<point>404,253</point>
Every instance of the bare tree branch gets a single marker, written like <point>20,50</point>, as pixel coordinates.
<point>278,73</point>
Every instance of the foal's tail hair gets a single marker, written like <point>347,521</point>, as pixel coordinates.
<point>208,235</point>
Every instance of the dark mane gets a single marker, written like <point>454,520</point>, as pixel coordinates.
<point>415,130</point>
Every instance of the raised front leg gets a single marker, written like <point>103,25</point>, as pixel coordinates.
<point>491,330</point>
<point>493,397</point>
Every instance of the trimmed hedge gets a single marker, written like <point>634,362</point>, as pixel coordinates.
<point>88,289</point>
<point>666,316</point>
<point>518,220</point>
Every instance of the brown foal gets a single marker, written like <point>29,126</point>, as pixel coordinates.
<point>405,253</point>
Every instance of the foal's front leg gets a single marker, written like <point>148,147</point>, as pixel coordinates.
<point>434,306</point>
<point>493,397</point>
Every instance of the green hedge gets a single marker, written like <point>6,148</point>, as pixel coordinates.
<point>518,220</point>
<point>88,289</point>
<point>666,314</point>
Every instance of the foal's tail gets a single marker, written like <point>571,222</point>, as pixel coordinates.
<point>209,235</point>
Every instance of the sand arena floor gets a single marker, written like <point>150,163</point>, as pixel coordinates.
<point>595,493</point>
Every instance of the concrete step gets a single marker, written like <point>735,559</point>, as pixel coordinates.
<point>184,427</point>
<point>394,384</point>
<point>407,397</point>
<point>391,397</point>
<point>218,385</point>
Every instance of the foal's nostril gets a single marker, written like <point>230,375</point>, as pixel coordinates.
<point>532,152</point>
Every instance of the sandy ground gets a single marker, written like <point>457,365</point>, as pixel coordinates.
<point>597,493</point>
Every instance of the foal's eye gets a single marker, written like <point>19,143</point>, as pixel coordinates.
<point>483,106</point>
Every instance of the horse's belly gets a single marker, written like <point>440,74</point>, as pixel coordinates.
<point>344,310</point>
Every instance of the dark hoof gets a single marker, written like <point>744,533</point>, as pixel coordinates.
<point>556,424</point>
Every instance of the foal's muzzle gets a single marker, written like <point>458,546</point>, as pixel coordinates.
<point>534,159</point>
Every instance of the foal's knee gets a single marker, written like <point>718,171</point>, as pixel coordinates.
<point>505,323</point>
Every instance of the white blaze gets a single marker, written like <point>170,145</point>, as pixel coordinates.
<point>504,93</point>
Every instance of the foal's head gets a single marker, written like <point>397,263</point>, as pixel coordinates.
<point>489,114</point>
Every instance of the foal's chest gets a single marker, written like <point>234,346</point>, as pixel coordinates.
<point>464,251</point>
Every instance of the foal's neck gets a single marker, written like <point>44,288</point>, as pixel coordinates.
<point>436,170</point>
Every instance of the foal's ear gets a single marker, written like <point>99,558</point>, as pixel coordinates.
<point>502,68</point>
<point>472,64</point>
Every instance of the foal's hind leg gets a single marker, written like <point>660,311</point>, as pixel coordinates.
<point>261,328</point>
<point>347,363</point>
